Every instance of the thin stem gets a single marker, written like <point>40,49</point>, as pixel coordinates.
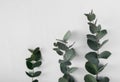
<point>32,77</point>
<point>97,57</point>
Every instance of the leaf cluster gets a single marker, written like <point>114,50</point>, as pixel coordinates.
<point>93,65</point>
<point>34,61</point>
<point>68,53</point>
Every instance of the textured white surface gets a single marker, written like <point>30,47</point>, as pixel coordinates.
<point>30,23</point>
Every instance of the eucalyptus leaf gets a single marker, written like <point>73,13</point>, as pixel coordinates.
<point>103,79</point>
<point>91,68</point>
<point>63,80</point>
<point>37,64</point>
<point>101,67</point>
<point>67,36</point>
<point>29,65</point>
<point>62,46</point>
<point>89,78</point>
<point>101,34</point>
<point>91,37</point>
<point>69,54</point>
<point>93,28</point>
<point>93,44</point>
<point>104,42</point>
<point>105,54</point>
<point>91,16</point>
<point>72,69</point>
<point>92,57</point>
<point>35,80</point>
<point>36,74</point>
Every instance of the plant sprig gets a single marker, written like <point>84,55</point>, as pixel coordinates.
<point>33,62</point>
<point>93,65</point>
<point>67,51</point>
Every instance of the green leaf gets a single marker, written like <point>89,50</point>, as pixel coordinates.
<point>91,37</point>
<point>92,57</point>
<point>93,28</point>
<point>30,74</point>
<point>103,79</point>
<point>67,36</point>
<point>30,50</point>
<point>62,46</point>
<point>58,51</point>
<point>32,58</point>
<point>36,74</point>
<point>35,80</point>
<point>63,80</point>
<point>29,65</point>
<point>101,67</point>
<point>65,62</point>
<point>69,54</point>
<point>91,68</point>
<point>98,28</point>
<point>101,34</point>
<point>104,42</point>
<point>89,78</point>
<point>105,54</point>
<point>37,64</point>
<point>91,16</point>
<point>37,54</point>
<point>63,68</point>
<point>69,78</point>
<point>72,69</point>
<point>93,45</point>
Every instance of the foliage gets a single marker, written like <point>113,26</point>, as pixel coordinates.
<point>34,61</point>
<point>68,53</point>
<point>93,65</point>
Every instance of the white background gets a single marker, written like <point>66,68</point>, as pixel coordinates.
<point>30,23</point>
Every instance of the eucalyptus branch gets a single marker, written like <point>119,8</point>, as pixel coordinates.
<point>93,65</point>
<point>33,62</point>
<point>67,51</point>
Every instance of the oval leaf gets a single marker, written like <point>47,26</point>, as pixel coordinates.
<point>91,68</point>
<point>92,57</point>
<point>93,45</point>
<point>105,54</point>
<point>67,36</point>
<point>89,78</point>
<point>101,34</point>
<point>69,54</point>
<point>63,80</point>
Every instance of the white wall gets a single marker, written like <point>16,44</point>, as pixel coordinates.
<point>30,23</point>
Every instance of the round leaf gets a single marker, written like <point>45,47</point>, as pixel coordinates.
<point>91,68</point>
<point>92,57</point>
<point>89,78</point>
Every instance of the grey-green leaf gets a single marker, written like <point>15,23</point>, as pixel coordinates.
<point>101,67</point>
<point>103,79</point>
<point>67,36</point>
<point>93,28</point>
<point>91,68</point>
<point>29,65</point>
<point>105,54</point>
<point>92,37</point>
<point>92,57</point>
<point>62,46</point>
<point>63,80</point>
<point>72,69</point>
<point>101,34</point>
<point>69,54</point>
<point>89,78</point>
<point>93,44</point>
<point>36,74</point>
<point>35,80</point>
